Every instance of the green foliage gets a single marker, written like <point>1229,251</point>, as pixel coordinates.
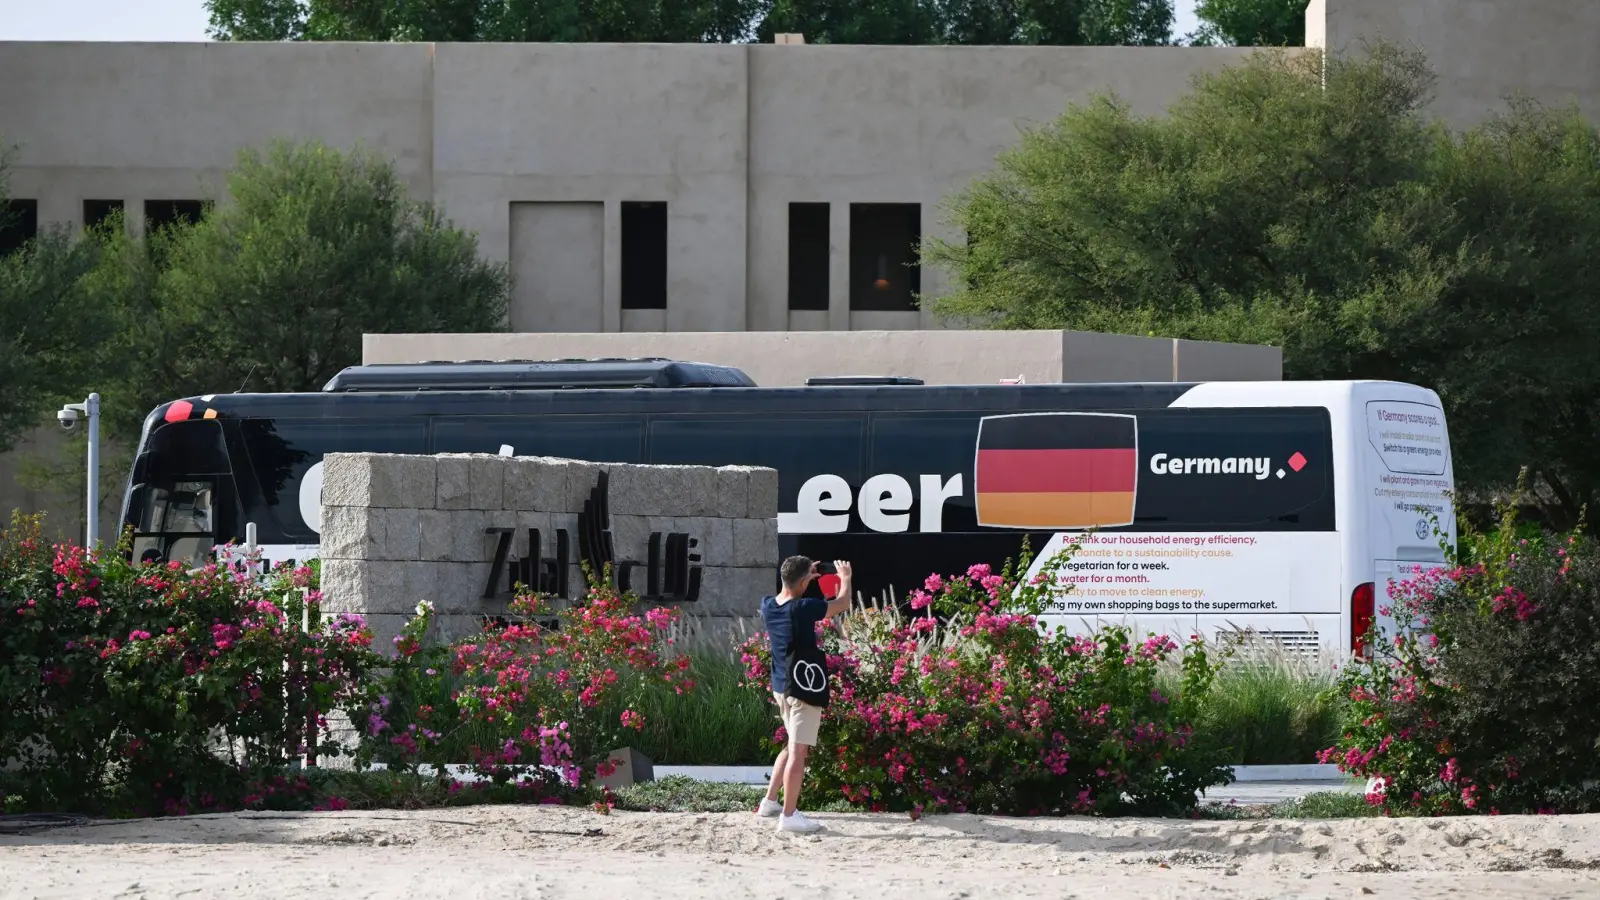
<point>1483,699</point>
<point>717,723</point>
<point>1271,711</point>
<point>698,21</point>
<point>1324,805</point>
<point>1319,209</point>
<point>1070,22</point>
<point>55,329</point>
<point>1318,805</point>
<point>679,793</point>
<point>273,291</point>
<point>1267,706</point>
<point>257,20</point>
<point>532,703</point>
<point>969,705</point>
<point>1109,23</point>
<point>1252,23</point>
<point>146,690</point>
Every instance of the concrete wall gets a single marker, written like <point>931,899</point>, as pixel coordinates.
<point>1482,50</point>
<point>506,136</point>
<point>46,473</point>
<point>399,529</point>
<point>937,357</point>
<point>727,136</point>
<point>847,125</point>
<point>138,122</point>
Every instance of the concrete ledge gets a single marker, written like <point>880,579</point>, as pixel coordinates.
<point>722,774</point>
<point>1288,773</point>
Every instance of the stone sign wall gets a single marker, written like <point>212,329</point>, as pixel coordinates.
<point>461,529</point>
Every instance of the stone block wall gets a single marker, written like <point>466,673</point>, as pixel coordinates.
<point>399,529</point>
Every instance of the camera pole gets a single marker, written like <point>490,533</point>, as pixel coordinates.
<point>68,416</point>
<point>92,514</point>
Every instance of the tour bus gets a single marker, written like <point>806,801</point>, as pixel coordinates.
<point>1285,509</point>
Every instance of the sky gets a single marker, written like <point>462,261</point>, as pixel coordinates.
<point>178,20</point>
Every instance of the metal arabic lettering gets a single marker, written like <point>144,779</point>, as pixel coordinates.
<point>672,565</point>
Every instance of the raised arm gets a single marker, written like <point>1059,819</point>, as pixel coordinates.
<point>841,602</point>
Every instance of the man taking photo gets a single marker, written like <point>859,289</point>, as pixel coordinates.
<point>798,670</point>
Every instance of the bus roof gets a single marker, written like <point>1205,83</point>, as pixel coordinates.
<point>840,398</point>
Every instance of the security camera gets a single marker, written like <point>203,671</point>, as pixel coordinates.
<point>67,417</point>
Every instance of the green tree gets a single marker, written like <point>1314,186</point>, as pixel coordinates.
<point>1319,209</point>
<point>1125,23</point>
<point>711,21</point>
<point>1252,23</point>
<point>52,330</point>
<point>273,290</point>
<point>674,21</point>
<point>257,20</point>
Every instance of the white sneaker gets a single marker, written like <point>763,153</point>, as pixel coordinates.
<point>769,809</point>
<point>798,824</point>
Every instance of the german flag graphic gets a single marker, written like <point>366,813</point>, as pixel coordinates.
<point>1057,470</point>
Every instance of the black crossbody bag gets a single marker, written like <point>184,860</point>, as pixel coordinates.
<point>807,666</point>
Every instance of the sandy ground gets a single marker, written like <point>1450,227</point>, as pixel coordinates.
<point>544,852</point>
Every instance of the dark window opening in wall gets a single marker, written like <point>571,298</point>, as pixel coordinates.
<point>644,256</point>
<point>884,275</point>
<point>808,256</point>
<point>160,214</point>
<point>19,222</point>
<point>96,212</point>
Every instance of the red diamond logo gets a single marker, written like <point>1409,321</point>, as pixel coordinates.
<point>1297,462</point>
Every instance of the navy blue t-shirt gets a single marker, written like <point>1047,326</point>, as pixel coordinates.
<point>807,611</point>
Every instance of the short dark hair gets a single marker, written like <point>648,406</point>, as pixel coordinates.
<point>794,570</point>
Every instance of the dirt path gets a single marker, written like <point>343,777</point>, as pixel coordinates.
<point>543,852</point>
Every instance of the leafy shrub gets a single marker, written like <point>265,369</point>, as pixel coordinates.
<point>151,689</point>
<point>531,704</point>
<point>1486,699</point>
<point>969,705</point>
<point>1269,705</point>
<point>679,793</point>
<point>717,723</point>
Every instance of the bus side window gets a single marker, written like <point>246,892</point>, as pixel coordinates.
<point>798,448</point>
<point>598,438</point>
<point>912,445</point>
<point>281,452</point>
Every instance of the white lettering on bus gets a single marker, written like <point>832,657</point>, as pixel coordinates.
<point>884,502</point>
<point>311,498</point>
<point>1259,466</point>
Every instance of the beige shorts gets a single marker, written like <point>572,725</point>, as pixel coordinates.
<point>800,719</point>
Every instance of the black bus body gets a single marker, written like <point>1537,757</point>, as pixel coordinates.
<point>206,466</point>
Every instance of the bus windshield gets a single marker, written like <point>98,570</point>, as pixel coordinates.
<point>178,495</point>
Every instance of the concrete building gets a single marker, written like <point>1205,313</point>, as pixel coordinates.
<point>657,188</point>
<point>1483,51</point>
<point>676,187</point>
